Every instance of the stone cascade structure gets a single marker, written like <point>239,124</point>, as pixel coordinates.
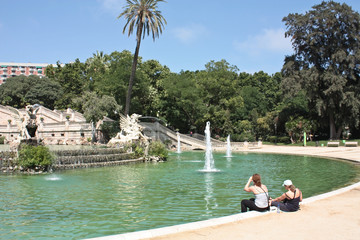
<point>71,159</point>
<point>40,123</point>
<point>157,131</point>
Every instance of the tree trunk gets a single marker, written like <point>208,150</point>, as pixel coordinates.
<point>338,133</point>
<point>133,69</point>
<point>333,134</point>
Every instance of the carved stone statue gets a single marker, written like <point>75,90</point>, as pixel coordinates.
<point>26,119</point>
<point>130,130</point>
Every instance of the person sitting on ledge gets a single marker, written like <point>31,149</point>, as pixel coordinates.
<point>290,200</point>
<point>261,201</point>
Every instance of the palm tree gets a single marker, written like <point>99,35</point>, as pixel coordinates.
<point>144,16</point>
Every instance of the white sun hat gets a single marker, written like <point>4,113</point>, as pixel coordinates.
<point>287,183</point>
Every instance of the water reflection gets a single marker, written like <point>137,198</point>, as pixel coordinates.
<point>228,162</point>
<point>53,177</point>
<point>209,197</point>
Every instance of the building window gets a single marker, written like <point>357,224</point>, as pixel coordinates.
<point>82,134</point>
<point>62,134</point>
<point>53,135</point>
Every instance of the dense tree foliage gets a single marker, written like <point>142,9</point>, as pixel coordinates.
<point>181,104</point>
<point>326,62</point>
<point>20,91</point>
<point>73,80</point>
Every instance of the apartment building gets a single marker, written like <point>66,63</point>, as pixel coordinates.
<point>11,69</point>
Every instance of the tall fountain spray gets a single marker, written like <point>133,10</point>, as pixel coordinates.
<point>209,159</point>
<point>228,147</point>
<point>178,143</point>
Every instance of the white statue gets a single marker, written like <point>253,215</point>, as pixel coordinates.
<point>25,120</point>
<point>130,130</point>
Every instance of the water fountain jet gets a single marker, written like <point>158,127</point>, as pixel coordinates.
<point>209,159</point>
<point>228,147</point>
<point>178,143</point>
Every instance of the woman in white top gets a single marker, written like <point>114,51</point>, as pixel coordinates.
<point>261,201</point>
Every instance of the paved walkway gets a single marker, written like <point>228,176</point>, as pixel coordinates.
<point>346,153</point>
<point>333,215</point>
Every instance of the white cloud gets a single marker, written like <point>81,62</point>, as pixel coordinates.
<point>190,33</point>
<point>112,6</point>
<point>269,40</point>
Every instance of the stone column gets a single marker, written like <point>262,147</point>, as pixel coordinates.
<point>66,134</point>
<point>8,128</point>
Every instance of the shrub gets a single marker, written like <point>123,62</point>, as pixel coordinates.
<point>139,151</point>
<point>157,148</point>
<point>31,157</point>
<point>284,139</point>
<point>235,137</point>
<point>272,139</point>
<point>246,136</point>
<point>2,140</point>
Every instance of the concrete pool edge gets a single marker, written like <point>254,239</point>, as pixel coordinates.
<point>158,232</point>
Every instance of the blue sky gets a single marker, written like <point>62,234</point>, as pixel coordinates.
<point>248,34</point>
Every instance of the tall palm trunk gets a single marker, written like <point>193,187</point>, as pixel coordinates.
<point>133,69</point>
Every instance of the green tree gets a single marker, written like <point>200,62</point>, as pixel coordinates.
<point>254,100</point>
<point>73,80</point>
<point>325,64</point>
<point>13,91</point>
<point>265,126</point>
<point>220,94</point>
<point>295,127</point>
<point>21,90</point>
<point>45,92</point>
<point>145,17</point>
<point>95,107</point>
<point>114,81</point>
<point>154,73</point>
<point>295,106</point>
<point>181,103</point>
<point>265,88</point>
<point>96,68</point>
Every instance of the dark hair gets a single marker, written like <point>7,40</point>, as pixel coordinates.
<point>257,179</point>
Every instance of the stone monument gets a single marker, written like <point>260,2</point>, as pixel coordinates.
<point>130,131</point>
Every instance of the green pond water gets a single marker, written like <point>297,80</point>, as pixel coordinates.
<point>86,203</point>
